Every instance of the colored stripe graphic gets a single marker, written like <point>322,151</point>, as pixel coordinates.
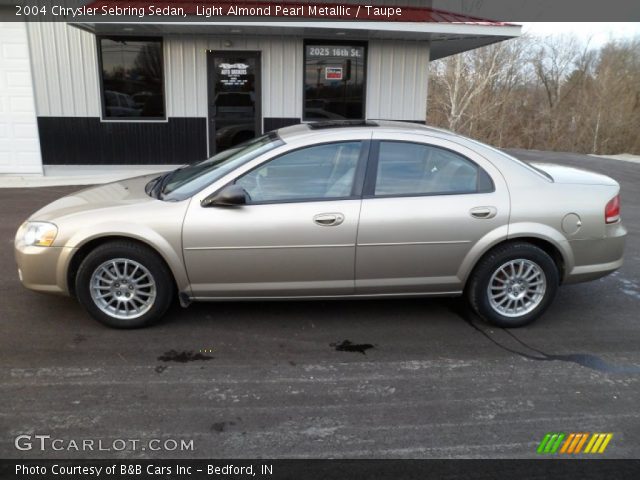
<point>555,446</point>
<point>567,443</point>
<point>572,443</point>
<point>606,442</point>
<point>543,443</point>
<point>598,443</point>
<point>581,443</point>
<point>550,442</point>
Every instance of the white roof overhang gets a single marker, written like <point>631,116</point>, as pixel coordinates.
<point>445,38</point>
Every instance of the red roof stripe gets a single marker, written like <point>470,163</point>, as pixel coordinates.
<point>409,14</point>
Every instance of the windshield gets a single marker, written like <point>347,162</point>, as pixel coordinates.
<point>187,181</point>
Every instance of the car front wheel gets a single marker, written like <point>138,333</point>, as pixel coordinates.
<point>124,285</point>
<point>513,284</point>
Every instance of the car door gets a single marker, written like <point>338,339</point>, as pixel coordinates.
<point>426,203</point>
<point>295,237</point>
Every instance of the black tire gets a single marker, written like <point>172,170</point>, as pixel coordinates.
<point>477,286</point>
<point>147,258</point>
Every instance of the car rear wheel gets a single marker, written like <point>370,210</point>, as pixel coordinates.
<point>124,285</point>
<point>513,284</point>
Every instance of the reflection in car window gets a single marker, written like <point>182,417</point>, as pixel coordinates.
<point>317,172</point>
<point>416,169</point>
<point>189,180</point>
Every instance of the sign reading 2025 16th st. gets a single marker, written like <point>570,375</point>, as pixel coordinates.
<point>335,51</point>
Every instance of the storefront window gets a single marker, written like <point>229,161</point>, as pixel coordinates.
<point>132,78</point>
<point>334,81</point>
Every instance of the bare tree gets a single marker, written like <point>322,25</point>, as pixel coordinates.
<point>553,93</point>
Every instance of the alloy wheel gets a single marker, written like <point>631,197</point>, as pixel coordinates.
<point>123,288</point>
<point>516,288</point>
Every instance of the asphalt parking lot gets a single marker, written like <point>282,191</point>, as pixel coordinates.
<point>437,382</point>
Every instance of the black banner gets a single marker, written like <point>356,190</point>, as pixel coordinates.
<point>547,469</point>
<point>159,11</point>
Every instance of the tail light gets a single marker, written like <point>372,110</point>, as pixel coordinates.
<point>612,210</point>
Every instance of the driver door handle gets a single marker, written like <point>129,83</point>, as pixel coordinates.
<point>483,212</point>
<point>328,219</point>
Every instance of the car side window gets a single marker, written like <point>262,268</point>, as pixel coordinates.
<point>318,172</point>
<point>406,168</point>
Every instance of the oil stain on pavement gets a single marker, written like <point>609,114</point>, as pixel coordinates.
<point>220,427</point>
<point>183,357</point>
<point>347,346</point>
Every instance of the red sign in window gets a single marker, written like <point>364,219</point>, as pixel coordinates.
<point>333,73</point>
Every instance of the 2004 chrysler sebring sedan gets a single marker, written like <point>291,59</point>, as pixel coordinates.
<point>330,210</point>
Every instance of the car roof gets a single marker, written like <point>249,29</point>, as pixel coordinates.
<point>304,129</point>
<point>500,159</point>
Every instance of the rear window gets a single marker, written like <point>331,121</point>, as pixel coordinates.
<point>512,158</point>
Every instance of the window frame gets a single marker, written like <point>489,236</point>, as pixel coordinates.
<point>355,43</point>
<point>101,88</point>
<point>372,173</point>
<point>358,178</point>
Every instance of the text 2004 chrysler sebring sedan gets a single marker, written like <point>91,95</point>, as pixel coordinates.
<point>330,211</point>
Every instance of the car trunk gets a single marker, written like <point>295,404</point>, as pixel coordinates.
<point>565,174</point>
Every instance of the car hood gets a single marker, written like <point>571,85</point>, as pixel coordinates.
<point>115,194</point>
<point>565,174</point>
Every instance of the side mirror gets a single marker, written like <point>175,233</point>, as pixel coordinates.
<point>229,196</point>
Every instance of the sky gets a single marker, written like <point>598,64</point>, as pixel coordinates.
<point>596,34</point>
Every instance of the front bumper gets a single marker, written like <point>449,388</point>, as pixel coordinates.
<point>43,269</point>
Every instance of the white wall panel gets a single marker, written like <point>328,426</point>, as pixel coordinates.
<point>65,70</point>
<point>397,80</point>
<point>19,139</point>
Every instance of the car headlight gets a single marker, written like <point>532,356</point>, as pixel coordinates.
<point>39,234</point>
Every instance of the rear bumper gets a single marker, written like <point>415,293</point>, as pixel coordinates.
<point>596,258</point>
<point>587,273</point>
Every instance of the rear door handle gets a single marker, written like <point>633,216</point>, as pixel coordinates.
<point>483,212</point>
<point>328,219</point>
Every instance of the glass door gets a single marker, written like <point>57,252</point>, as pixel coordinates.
<point>234,98</point>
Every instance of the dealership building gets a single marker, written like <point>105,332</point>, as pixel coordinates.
<point>156,92</point>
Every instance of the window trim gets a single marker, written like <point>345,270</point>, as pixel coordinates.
<point>358,177</point>
<point>356,43</point>
<point>372,173</point>
<point>101,89</point>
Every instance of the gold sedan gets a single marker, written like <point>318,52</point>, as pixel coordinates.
<point>330,210</point>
